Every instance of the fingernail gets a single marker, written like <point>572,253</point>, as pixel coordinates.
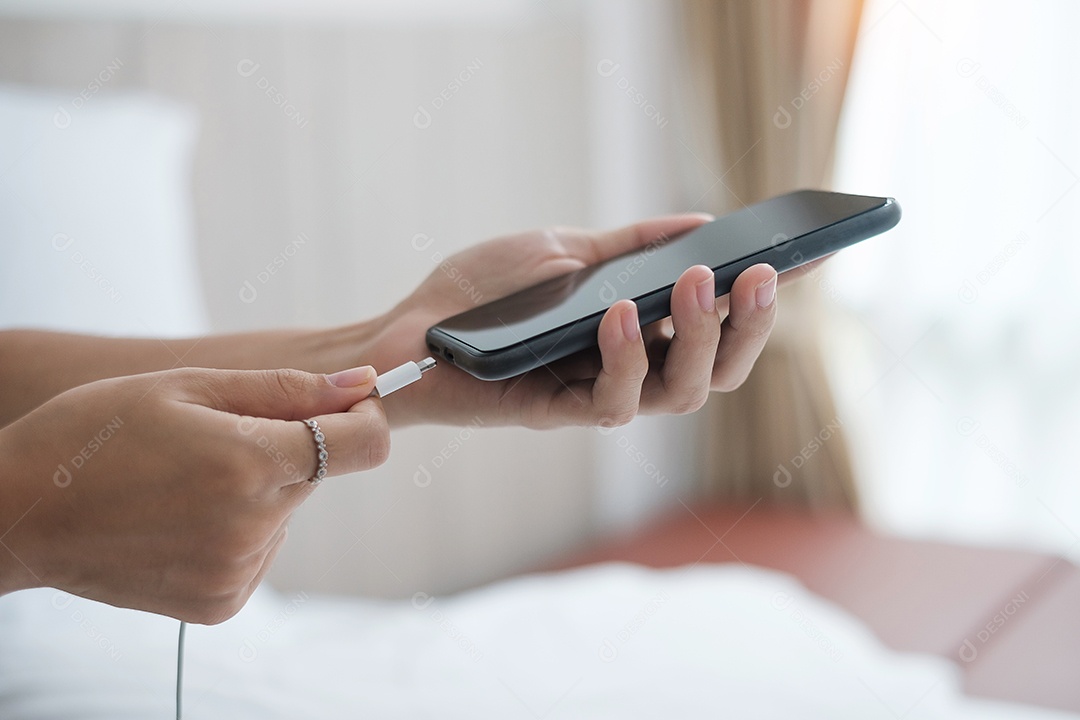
<point>353,377</point>
<point>766,292</point>
<point>706,295</point>
<point>630,326</point>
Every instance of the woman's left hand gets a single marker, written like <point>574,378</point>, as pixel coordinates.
<point>667,367</point>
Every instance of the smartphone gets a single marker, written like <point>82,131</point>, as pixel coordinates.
<point>560,316</point>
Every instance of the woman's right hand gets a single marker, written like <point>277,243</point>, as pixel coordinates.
<point>170,492</point>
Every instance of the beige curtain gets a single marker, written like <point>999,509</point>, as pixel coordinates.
<point>768,80</point>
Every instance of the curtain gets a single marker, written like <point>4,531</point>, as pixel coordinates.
<point>767,82</point>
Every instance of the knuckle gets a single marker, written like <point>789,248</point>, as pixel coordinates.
<point>249,544</point>
<point>187,375</point>
<point>618,418</point>
<point>216,612</point>
<point>196,382</point>
<point>374,438</point>
<point>224,591</point>
<point>292,384</point>
<point>758,326</point>
<point>223,579</point>
<point>378,449</point>
<point>759,332</point>
<point>553,239</point>
<point>552,235</point>
<point>215,589</point>
<point>690,404</point>
<point>198,614</point>
<point>181,376</point>
<point>192,615</point>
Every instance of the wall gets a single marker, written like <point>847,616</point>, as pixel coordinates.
<point>352,176</point>
<point>334,172</point>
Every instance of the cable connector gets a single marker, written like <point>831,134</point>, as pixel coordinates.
<point>393,380</point>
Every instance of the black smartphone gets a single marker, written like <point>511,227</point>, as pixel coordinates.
<point>560,316</point>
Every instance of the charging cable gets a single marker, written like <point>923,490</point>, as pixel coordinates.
<point>180,670</point>
<point>393,380</point>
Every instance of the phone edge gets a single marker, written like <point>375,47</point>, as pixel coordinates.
<point>521,357</point>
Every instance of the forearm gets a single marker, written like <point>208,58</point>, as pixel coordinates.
<point>21,487</point>
<point>37,365</point>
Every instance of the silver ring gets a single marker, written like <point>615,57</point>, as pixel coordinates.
<point>320,447</point>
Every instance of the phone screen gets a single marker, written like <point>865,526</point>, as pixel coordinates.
<point>564,300</point>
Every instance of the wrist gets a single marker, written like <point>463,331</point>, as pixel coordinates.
<point>389,341</point>
<point>339,348</point>
<point>383,342</point>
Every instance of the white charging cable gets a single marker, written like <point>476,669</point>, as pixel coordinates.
<point>393,380</point>
<point>180,671</point>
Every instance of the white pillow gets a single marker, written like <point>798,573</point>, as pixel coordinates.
<point>95,213</point>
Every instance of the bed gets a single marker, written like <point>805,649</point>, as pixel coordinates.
<point>704,623</point>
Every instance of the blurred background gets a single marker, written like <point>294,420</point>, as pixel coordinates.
<point>171,168</point>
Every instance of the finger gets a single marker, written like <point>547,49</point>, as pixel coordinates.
<point>233,604</point>
<point>356,440</point>
<point>685,377</point>
<point>786,278</point>
<point>583,365</point>
<point>747,326</point>
<point>268,559</point>
<point>592,247</point>
<point>613,397</point>
<point>281,394</point>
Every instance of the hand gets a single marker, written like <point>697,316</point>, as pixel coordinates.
<point>669,368</point>
<point>170,492</point>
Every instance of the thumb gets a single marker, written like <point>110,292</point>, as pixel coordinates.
<point>594,247</point>
<point>279,394</point>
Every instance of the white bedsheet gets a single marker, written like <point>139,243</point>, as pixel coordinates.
<point>611,641</point>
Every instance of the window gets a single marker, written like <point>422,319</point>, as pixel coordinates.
<point>957,356</point>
